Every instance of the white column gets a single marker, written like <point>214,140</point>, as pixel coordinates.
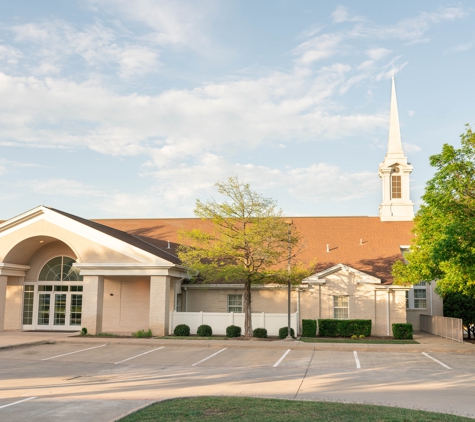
<point>159,304</point>
<point>3,298</point>
<point>92,304</point>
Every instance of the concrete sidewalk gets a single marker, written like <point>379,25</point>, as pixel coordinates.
<point>427,343</point>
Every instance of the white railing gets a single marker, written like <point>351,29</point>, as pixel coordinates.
<point>450,328</point>
<point>219,321</point>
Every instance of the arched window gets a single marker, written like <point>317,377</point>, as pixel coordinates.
<point>60,269</point>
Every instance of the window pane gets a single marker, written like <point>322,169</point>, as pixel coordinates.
<point>28,306</point>
<point>396,187</point>
<point>51,271</point>
<point>420,293</point>
<point>76,310</point>
<point>60,288</point>
<point>76,288</point>
<point>70,273</point>
<point>420,303</point>
<point>341,313</point>
<point>45,288</point>
<point>340,301</point>
<point>235,303</point>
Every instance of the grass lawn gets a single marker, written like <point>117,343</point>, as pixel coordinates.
<point>349,340</point>
<point>244,409</point>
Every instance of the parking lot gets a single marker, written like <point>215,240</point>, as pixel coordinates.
<point>102,381</point>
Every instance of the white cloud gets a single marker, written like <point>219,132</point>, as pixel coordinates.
<point>61,187</point>
<point>340,14</point>
<point>411,113</point>
<point>56,42</point>
<point>3,170</point>
<point>172,22</point>
<point>461,47</point>
<point>10,54</point>
<point>408,148</point>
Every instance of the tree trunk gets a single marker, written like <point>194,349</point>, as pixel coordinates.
<point>247,309</point>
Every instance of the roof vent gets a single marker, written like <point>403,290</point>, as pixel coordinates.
<point>328,247</point>
<point>168,247</point>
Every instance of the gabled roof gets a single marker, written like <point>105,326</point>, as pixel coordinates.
<point>366,244</point>
<point>131,239</point>
<point>363,277</point>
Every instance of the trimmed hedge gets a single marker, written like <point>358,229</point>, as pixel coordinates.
<point>283,332</point>
<point>309,328</point>
<point>344,327</point>
<point>259,333</point>
<point>204,331</point>
<point>182,330</point>
<point>402,331</point>
<point>233,331</point>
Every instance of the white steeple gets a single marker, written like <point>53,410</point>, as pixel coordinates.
<point>394,172</point>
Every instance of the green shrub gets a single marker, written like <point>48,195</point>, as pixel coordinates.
<point>83,331</point>
<point>143,334</point>
<point>204,331</point>
<point>402,331</point>
<point>361,336</point>
<point>344,327</point>
<point>309,328</point>
<point>354,337</point>
<point>260,333</point>
<point>182,330</point>
<point>284,331</point>
<point>233,331</point>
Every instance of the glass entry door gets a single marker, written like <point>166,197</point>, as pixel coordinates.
<point>49,307</point>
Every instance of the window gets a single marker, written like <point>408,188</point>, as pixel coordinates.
<point>28,305</point>
<point>396,192</point>
<point>60,269</point>
<point>235,303</point>
<point>416,298</point>
<point>340,307</point>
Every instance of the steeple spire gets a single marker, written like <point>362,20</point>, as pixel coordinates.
<point>394,143</point>
<point>394,172</point>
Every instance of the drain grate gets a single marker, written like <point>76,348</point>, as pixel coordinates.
<point>90,378</point>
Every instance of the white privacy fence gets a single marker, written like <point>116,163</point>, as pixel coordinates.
<point>450,328</point>
<point>219,321</point>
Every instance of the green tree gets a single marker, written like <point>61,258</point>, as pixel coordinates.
<point>443,248</point>
<point>244,241</point>
<point>458,305</point>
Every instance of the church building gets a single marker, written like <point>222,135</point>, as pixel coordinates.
<point>63,272</point>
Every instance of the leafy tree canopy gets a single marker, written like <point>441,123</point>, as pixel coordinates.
<point>444,245</point>
<point>245,241</point>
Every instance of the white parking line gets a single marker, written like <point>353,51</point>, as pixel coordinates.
<point>358,365</point>
<point>281,359</point>
<point>209,357</point>
<point>17,402</point>
<point>72,353</point>
<point>141,354</point>
<point>435,360</point>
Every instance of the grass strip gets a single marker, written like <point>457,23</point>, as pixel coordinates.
<point>349,340</point>
<point>245,409</point>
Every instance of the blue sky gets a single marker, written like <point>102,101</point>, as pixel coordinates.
<point>113,108</point>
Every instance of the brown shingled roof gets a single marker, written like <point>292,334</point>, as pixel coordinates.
<point>364,243</point>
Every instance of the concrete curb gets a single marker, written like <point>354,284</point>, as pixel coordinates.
<point>295,345</point>
<point>20,345</point>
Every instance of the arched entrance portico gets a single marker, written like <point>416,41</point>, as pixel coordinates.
<point>62,272</point>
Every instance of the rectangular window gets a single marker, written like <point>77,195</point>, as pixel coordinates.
<point>416,298</point>
<point>396,187</point>
<point>235,303</point>
<point>28,295</point>
<point>340,307</point>
<point>420,300</point>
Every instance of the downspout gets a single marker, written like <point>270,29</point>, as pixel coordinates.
<point>387,313</point>
<point>298,311</point>
<point>186,298</point>
<point>430,295</point>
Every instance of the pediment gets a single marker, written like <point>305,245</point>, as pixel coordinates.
<point>358,276</point>
<point>89,241</point>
